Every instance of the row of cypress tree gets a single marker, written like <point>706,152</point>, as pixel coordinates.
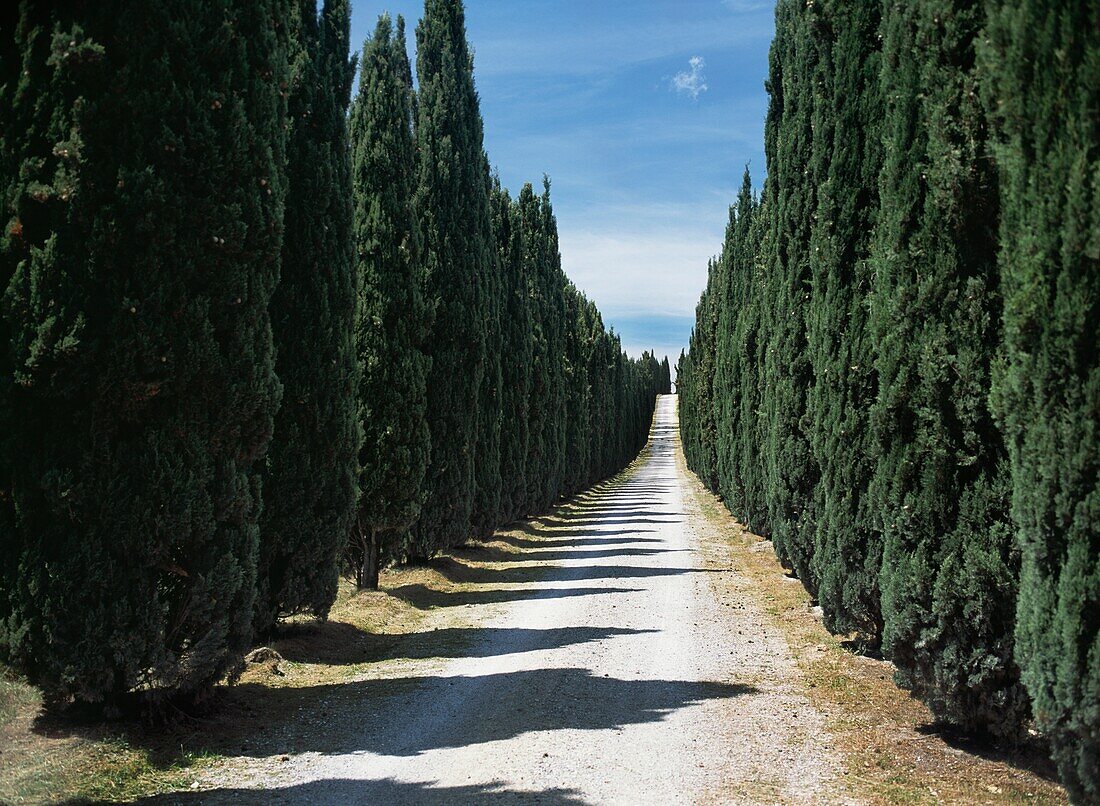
<point>894,370</point>
<point>248,339</point>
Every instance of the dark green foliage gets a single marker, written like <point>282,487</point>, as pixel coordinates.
<point>453,205</point>
<point>733,301</point>
<point>515,356</point>
<point>859,323</point>
<point>544,295</point>
<point>160,163</point>
<point>14,126</point>
<point>310,488</point>
<point>847,155</point>
<point>1042,67</point>
<point>703,346</point>
<point>577,394</point>
<point>486,513</point>
<point>548,292</point>
<point>941,485</point>
<point>792,472</point>
<point>149,210</point>
<point>392,319</point>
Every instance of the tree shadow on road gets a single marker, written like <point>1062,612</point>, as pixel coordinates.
<point>461,572</point>
<point>387,791</point>
<point>347,645</point>
<point>424,597</point>
<point>574,551</point>
<point>388,717</point>
<point>576,537</point>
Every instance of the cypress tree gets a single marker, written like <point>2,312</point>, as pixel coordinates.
<point>551,282</point>
<point>792,473</point>
<point>392,314</point>
<point>310,487</point>
<point>703,365</point>
<point>751,340</point>
<point>941,487</point>
<point>515,356</point>
<point>601,416</point>
<point>16,123</point>
<point>453,204</point>
<point>578,394</point>
<point>737,259</point>
<point>486,510</point>
<point>147,224</point>
<point>847,150</point>
<point>1042,60</point>
<point>539,402</point>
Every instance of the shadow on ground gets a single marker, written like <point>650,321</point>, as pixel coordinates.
<point>386,791</point>
<point>426,598</point>
<point>346,644</point>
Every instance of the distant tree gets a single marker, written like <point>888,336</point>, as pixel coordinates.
<point>392,319</point>
<point>1040,63</point>
<point>142,241</point>
<point>310,487</point>
<point>453,204</point>
<point>941,486</point>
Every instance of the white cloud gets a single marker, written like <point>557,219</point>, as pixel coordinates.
<point>691,82</point>
<point>747,6</point>
<point>631,273</point>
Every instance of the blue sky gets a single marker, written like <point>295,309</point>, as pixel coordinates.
<point>644,114</point>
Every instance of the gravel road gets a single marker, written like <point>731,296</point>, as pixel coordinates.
<point>625,676</point>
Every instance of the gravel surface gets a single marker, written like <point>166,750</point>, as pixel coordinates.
<point>625,676</point>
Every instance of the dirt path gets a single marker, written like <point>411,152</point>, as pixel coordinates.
<point>621,678</point>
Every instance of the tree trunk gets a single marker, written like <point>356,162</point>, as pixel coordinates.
<point>371,561</point>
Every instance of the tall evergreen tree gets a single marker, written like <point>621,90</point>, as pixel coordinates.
<point>665,387</point>
<point>310,488</point>
<point>703,353</point>
<point>515,356</point>
<point>392,319</point>
<point>144,241</point>
<point>453,205</point>
<point>485,514</point>
<point>941,486</point>
<point>534,259</point>
<point>751,338</point>
<point>736,276</point>
<point>1042,67</point>
<point>551,283</point>
<point>792,472</point>
<point>16,123</point>
<point>578,395</point>
<point>848,154</point>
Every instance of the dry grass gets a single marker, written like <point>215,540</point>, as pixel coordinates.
<point>894,753</point>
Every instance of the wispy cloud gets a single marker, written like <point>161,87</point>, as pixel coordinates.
<point>746,6</point>
<point>692,81</point>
